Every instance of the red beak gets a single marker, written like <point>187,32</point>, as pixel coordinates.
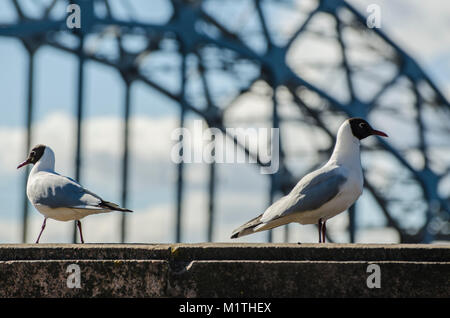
<point>26,162</point>
<point>379,133</point>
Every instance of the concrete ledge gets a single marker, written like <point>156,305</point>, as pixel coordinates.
<point>308,279</point>
<point>228,251</point>
<point>224,270</point>
<point>119,278</point>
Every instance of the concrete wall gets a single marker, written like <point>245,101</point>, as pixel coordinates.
<point>224,270</point>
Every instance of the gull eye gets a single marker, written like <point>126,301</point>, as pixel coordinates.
<point>362,125</point>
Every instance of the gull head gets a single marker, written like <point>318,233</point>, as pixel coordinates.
<point>361,129</point>
<point>35,155</point>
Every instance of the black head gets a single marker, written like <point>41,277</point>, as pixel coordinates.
<point>361,129</point>
<point>34,156</point>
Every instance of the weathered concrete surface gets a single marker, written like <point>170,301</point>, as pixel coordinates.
<point>309,279</point>
<point>113,278</point>
<point>224,270</point>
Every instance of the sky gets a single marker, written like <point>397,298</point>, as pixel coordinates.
<point>417,26</point>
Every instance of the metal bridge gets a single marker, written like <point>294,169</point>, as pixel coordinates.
<point>357,73</point>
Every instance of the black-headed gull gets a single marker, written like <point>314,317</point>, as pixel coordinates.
<point>58,197</point>
<point>323,193</point>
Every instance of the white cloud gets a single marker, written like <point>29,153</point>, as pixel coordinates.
<point>414,24</point>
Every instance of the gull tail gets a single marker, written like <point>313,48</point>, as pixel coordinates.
<point>113,206</point>
<point>247,228</point>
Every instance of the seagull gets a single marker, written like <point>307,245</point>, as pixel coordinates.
<point>58,197</point>
<point>323,193</point>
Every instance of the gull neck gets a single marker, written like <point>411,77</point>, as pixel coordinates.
<point>347,148</point>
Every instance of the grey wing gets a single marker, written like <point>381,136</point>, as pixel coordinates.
<point>313,191</point>
<point>57,191</point>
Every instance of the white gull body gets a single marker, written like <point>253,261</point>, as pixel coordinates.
<point>323,193</point>
<point>59,197</point>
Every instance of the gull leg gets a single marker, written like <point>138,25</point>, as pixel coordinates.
<point>320,230</point>
<point>81,233</point>
<point>42,230</point>
<point>324,230</point>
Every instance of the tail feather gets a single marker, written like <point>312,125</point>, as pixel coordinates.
<point>113,206</point>
<point>247,228</point>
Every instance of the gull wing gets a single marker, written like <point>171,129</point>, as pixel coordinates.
<point>57,191</point>
<point>310,193</point>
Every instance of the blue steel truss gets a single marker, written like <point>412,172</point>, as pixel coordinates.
<point>196,32</point>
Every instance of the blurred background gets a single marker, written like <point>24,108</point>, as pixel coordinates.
<point>107,97</point>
